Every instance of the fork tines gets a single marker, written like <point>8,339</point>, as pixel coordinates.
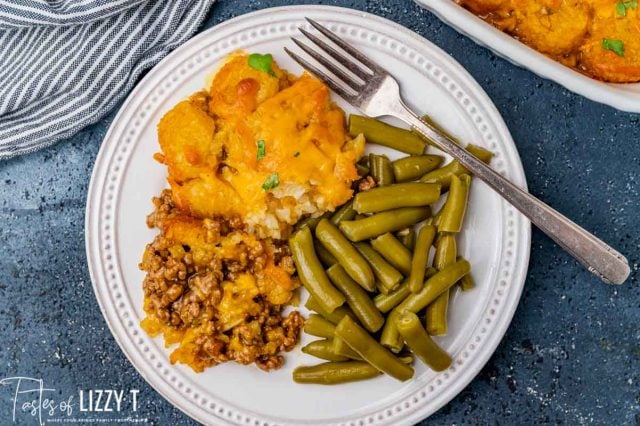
<point>345,84</point>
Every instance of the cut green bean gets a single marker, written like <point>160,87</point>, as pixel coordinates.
<point>480,153</point>
<point>323,254</point>
<point>411,168</point>
<point>466,283</point>
<point>312,273</point>
<point>387,276</point>
<point>362,170</point>
<point>393,251</point>
<point>386,302</point>
<point>407,237</point>
<point>436,316</point>
<point>340,347</point>
<point>323,349</point>
<point>434,287</point>
<point>408,194</point>
<point>333,317</point>
<point>380,133</point>
<point>438,127</point>
<point>381,169</point>
<point>332,373</point>
<point>316,325</point>
<point>455,207</point>
<point>357,299</point>
<point>420,343</point>
<point>442,176</point>
<point>351,260</point>
<point>379,223</point>
<point>371,351</point>
<point>310,222</point>
<point>346,212</point>
<point>390,338</point>
<point>420,257</point>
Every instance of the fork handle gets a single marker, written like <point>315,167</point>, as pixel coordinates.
<point>598,257</point>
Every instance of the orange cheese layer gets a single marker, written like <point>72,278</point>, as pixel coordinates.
<point>210,145</point>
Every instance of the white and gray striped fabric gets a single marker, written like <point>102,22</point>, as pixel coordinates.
<point>65,63</point>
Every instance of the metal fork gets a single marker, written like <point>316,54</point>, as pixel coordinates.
<point>378,94</point>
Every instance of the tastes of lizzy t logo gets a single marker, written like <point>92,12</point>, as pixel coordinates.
<point>30,398</point>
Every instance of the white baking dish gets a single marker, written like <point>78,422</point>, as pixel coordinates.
<point>625,97</point>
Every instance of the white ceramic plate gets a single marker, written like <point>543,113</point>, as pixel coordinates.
<point>625,97</point>
<point>497,240</point>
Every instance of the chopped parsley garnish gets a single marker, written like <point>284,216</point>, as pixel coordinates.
<point>616,46</point>
<point>262,63</point>
<point>272,182</point>
<point>623,5</point>
<point>261,150</point>
<point>296,154</point>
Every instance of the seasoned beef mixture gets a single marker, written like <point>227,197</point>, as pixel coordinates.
<point>217,291</point>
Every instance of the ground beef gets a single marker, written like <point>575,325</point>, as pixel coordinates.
<point>182,294</point>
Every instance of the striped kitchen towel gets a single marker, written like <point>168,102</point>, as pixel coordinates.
<point>64,64</point>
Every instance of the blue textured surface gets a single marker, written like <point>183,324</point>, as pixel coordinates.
<point>571,355</point>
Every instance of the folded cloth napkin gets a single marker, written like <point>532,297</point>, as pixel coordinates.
<point>65,63</point>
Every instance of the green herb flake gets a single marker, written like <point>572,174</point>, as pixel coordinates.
<point>272,182</point>
<point>296,154</point>
<point>262,63</point>
<point>616,46</point>
<point>623,5</point>
<point>261,150</point>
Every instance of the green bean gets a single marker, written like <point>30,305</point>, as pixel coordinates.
<point>390,338</point>
<point>393,251</point>
<point>362,170</point>
<point>381,133</point>
<point>438,127</point>
<point>360,216</point>
<point>407,237</point>
<point>466,283</point>
<point>333,317</point>
<point>420,257</point>
<point>408,194</point>
<point>386,302</point>
<point>421,344</point>
<point>379,223</point>
<point>381,169</point>
<point>433,287</point>
<point>312,273</point>
<point>436,317</point>
<point>410,168</point>
<point>332,373</point>
<point>323,349</point>
<point>456,205</point>
<point>387,276</point>
<point>371,351</point>
<point>351,260</point>
<point>323,254</point>
<point>480,153</point>
<point>442,176</point>
<point>435,219</point>
<point>346,212</point>
<point>340,347</point>
<point>357,299</point>
<point>315,325</point>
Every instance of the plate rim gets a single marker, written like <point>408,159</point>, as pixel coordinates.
<point>615,95</point>
<point>106,153</point>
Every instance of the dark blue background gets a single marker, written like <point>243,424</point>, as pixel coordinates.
<point>571,355</point>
